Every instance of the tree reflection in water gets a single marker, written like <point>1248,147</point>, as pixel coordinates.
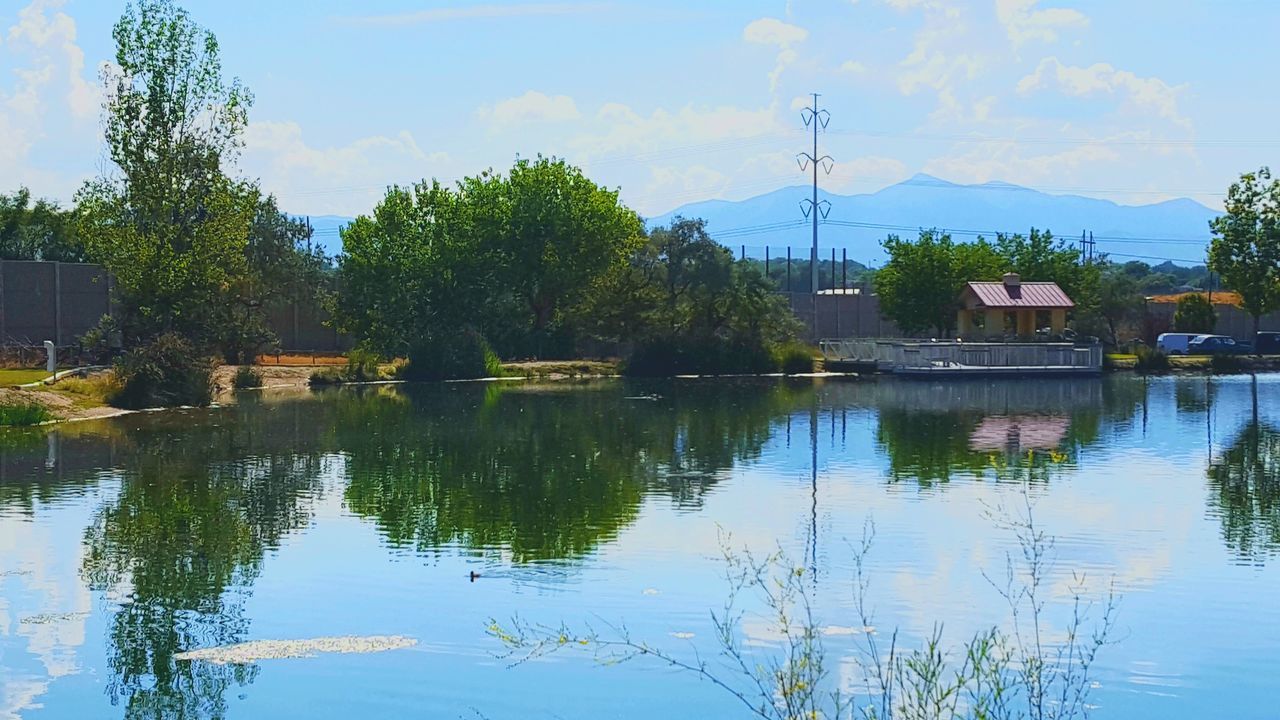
<point>178,549</point>
<point>1013,431</point>
<point>1244,482</point>
<point>546,473</point>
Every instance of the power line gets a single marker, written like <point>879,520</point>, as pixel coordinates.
<point>1059,140</point>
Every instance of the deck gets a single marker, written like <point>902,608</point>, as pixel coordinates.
<point>922,358</point>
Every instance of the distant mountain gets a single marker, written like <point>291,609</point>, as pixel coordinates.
<point>324,231</point>
<point>1175,229</point>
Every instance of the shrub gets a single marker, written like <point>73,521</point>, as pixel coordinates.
<point>466,356</point>
<point>168,371</point>
<point>362,366</point>
<point>23,413</point>
<point>1195,314</point>
<point>99,341</point>
<point>711,356</point>
<point>794,358</point>
<point>247,378</point>
<point>327,376</point>
<point>94,389</point>
<point>1151,360</point>
<point>1225,364</point>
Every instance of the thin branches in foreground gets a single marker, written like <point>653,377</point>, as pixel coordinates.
<point>1023,671</point>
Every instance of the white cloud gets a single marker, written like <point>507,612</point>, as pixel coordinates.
<point>344,180</point>
<point>49,110</point>
<point>1023,22</point>
<point>478,12</point>
<point>862,172</point>
<point>1009,162</point>
<point>853,67</point>
<point>942,56</point>
<point>776,33</point>
<point>533,106</point>
<point>669,156</point>
<point>771,31</point>
<point>51,39</point>
<point>1145,93</point>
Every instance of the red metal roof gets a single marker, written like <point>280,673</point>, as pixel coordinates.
<point>1024,295</point>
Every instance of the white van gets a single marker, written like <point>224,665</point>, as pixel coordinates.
<point>1175,343</point>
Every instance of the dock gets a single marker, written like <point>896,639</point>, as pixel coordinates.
<point>929,358</point>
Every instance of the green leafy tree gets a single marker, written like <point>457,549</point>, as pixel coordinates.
<point>919,287</point>
<point>414,273</point>
<point>556,233</point>
<point>1040,257</point>
<point>36,231</point>
<point>1195,314</point>
<point>1245,249</point>
<point>282,266</point>
<point>171,226</point>
<point>508,260</point>
<point>689,307</point>
<point>1113,301</point>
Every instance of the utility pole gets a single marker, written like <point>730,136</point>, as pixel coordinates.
<point>817,119</point>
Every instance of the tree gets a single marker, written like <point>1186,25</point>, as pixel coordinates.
<point>1245,249</point>
<point>39,231</point>
<point>172,227</point>
<point>688,307</point>
<point>1115,302</point>
<point>1195,314</point>
<point>282,266</point>
<point>412,273</point>
<point>919,287</point>
<point>556,233</point>
<point>1040,257</point>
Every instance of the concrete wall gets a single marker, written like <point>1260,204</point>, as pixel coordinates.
<point>1231,321</point>
<point>50,301</point>
<point>61,301</point>
<point>842,316</point>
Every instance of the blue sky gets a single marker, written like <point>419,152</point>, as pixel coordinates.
<point>675,102</point>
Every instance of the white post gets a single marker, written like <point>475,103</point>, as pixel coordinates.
<point>51,364</point>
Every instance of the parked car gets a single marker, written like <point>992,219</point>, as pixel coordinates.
<point>1175,343</point>
<point>1267,343</point>
<point>1217,345</point>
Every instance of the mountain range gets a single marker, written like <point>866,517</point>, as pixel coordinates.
<point>1171,230</point>
<point>1176,230</point>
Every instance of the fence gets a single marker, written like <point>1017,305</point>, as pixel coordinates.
<point>790,268</point>
<point>61,301</point>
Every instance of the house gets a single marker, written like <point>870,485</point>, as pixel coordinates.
<point>1011,307</point>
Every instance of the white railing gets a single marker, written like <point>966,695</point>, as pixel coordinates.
<point>893,354</point>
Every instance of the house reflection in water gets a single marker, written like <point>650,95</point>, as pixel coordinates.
<point>1015,434</point>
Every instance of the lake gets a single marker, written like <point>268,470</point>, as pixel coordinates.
<point>364,511</point>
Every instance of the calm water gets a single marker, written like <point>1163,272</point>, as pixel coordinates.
<point>362,513</point>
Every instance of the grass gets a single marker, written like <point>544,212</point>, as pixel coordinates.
<point>795,358</point>
<point>542,370</point>
<point>10,378</point>
<point>23,413</point>
<point>93,391</point>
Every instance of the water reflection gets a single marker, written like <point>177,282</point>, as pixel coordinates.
<point>1023,431</point>
<point>547,473</point>
<point>187,508</point>
<point>1244,482</point>
<point>177,549</point>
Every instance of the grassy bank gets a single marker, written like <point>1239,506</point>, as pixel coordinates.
<point>1195,363</point>
<point>13,378</point>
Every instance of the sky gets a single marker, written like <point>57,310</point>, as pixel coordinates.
<point>676,101</point>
